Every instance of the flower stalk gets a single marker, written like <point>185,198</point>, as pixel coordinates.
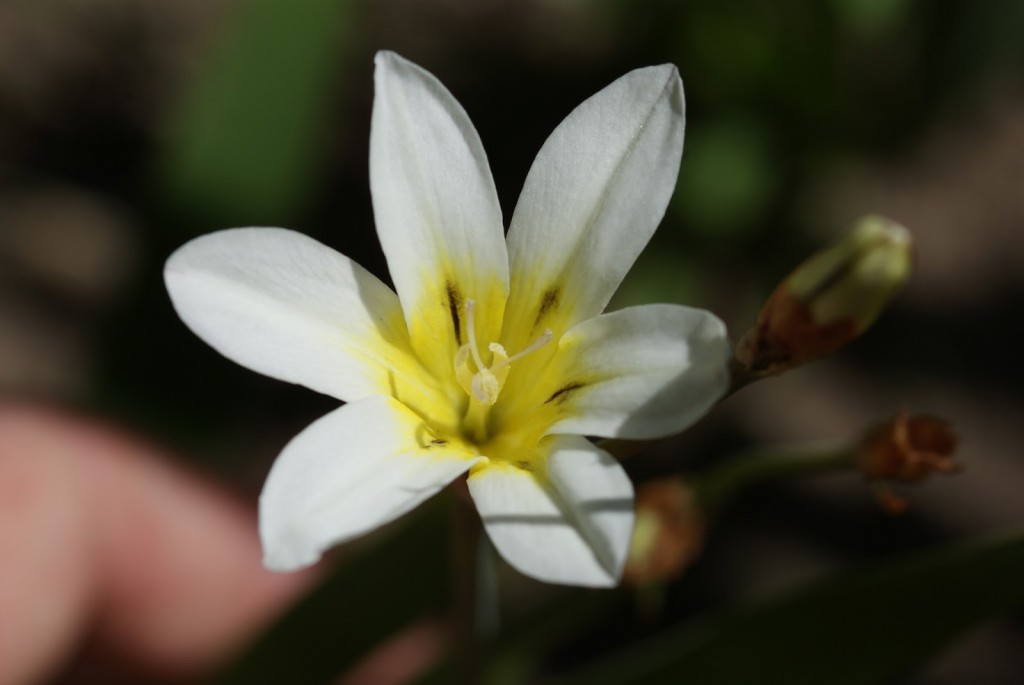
<point>719,486</point>
<point>465,542</point>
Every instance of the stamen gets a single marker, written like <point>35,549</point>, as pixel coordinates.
<point>485,383</point>
<point>540,342</point>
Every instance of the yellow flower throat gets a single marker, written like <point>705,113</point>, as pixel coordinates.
<point>485,383</point>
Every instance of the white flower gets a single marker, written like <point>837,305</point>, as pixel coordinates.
<point>492,359</point>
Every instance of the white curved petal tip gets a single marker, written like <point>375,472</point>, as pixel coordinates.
<point>284,305</point>
<point>661,367</point>
<point>571,527</point>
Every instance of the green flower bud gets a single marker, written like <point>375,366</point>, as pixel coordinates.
<point>830,299</point>
<point>856,278</point>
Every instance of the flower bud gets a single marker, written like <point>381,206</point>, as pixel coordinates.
<point>829,300</point>
<point>668,534</point>
<point>906,449</point>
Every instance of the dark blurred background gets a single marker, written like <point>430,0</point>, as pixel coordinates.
<point>129,126</point>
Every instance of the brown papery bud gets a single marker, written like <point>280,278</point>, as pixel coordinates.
<point>668,534</point>
<point>829,300</point>
<point>906,449</point>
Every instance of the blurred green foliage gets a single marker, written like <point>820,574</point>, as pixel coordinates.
<point>873,17</point>
<point>246,144</point>
<point>727,180</point>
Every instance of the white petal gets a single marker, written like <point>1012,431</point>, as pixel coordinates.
<point>641,372</point>
<point>349,472</point>
<point>436,210</point>
<point>596,192</point>
<point>571,525</point>
<point>282,304</point>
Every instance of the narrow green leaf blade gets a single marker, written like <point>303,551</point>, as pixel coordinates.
<point>862,628</point>
<point>244,143</point>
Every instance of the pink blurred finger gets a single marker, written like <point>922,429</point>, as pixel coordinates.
<point>101,536</point>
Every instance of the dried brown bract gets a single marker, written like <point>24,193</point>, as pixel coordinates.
<point>906,449</point>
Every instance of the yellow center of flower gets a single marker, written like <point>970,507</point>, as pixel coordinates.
<point>485,383</point>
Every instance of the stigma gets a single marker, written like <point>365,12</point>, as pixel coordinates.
<point>485,383</point>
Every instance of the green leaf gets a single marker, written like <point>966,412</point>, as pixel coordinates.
<point>727,179</point>
<point>369,598</point>
<point>873,17</point>
<point>862,628</point>
<point>245,144</point>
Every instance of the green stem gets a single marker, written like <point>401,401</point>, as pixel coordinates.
<point>720,484</point>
